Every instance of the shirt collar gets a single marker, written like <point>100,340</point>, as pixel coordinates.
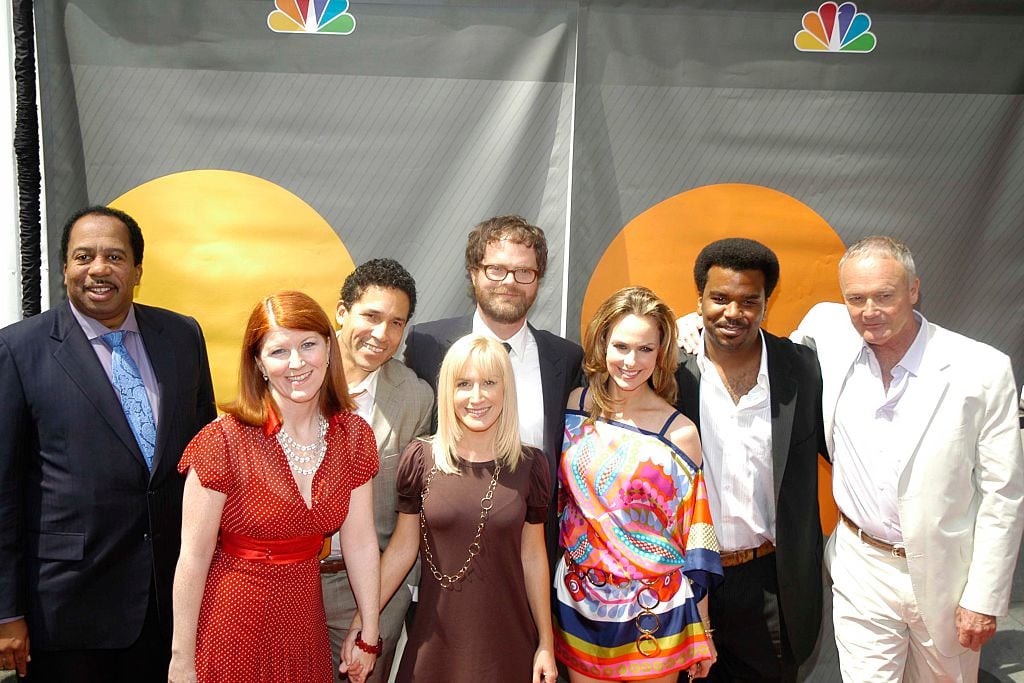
<point>912,359</point>
<point>367,386</point>
<point>704,363</point>
<point>517,341</point>
<point>94,329</point>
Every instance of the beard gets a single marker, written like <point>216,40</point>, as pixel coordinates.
<point>502,309</point>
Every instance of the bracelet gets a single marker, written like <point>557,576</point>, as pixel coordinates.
<point>367,648</point>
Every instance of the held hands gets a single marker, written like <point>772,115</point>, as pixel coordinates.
<point>688,330</point>
<point>355,663</point>
<point>544,668</point>
<point>359,666</point>
<point>974,629</point>
<point>14,647</point>
<point>700,669</point>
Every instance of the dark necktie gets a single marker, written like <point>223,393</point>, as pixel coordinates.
<point>125,376</point>
<point>508,348</point>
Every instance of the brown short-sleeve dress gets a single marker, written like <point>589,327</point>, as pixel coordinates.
<point>482,629</point>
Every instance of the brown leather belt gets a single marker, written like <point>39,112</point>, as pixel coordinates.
<point>332,565</point>
<point>894,550</point>
<point>735,557</point>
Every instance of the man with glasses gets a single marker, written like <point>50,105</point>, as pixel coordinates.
<point>506,258</point>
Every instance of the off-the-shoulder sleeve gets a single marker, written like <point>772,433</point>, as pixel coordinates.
<point>209,455</point>
<point>409,480</point>
<point>540,487</point>
<point>358,440</point>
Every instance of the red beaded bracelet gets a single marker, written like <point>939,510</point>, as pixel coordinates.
<point>367,648</point>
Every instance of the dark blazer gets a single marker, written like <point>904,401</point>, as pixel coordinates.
<point>561,370</point>
<point>85,529</point>
<point>795,395</point>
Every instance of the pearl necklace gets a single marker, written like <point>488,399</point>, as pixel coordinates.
<point>299,455</point>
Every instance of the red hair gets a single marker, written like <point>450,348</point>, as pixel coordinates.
<point>293,311</point>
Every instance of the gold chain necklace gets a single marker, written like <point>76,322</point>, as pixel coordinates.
<point>448,581</point>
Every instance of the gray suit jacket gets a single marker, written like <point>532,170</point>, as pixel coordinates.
<point>402,409</point>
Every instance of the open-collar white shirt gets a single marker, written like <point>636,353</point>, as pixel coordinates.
<point>868,456</point>
<point>736,439</point>
<point>364,394</point>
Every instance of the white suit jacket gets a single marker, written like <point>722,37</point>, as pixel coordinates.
<point>962,485</point>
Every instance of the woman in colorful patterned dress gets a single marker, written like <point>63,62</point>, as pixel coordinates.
<point>472,502</point>
<point>639,549</point>
<point>288,464</point>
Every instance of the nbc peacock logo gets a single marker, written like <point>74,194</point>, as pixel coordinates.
<point>835,28</point>
<point>318,17</point>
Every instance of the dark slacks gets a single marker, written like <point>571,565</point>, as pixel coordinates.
<point>749,632</point>
<point>144,661</point>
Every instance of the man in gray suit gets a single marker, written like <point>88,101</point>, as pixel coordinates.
<point>377,300</point>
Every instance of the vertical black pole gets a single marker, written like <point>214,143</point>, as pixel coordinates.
<point>26,151</point>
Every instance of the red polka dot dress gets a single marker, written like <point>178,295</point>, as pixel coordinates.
<point>261,621</point>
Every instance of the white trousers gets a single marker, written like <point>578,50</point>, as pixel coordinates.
<point>879,631</point>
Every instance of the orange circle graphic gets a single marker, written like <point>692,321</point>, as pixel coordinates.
<point>657,249</point>
<point>218,241</point>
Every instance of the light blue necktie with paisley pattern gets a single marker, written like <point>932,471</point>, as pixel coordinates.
<point>131,391</point>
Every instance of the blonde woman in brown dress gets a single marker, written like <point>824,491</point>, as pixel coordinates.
<point>472,502</point>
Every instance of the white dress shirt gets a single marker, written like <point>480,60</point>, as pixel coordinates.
<point>868,458</point>
<point>737,442</point>
<point>364,394</point>
<point>526,369</point>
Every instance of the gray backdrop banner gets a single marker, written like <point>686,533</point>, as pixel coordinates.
<point>431,116</point>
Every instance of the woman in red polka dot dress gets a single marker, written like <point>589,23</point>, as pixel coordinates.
<point>288,464</point>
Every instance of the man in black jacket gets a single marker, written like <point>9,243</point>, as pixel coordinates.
<point>756,399</point>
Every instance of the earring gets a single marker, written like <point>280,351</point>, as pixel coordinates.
<point>265,378</point>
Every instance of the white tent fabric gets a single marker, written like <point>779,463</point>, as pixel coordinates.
<point>10,291</point>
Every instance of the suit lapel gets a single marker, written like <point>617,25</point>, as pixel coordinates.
<point>385,406</point>
<point>689,388</point>
<point>782,398</point>
<point>164,363</point>
<point>552,381</point>
<point>76,356</point>
<point>923,396</point>
<point>460,328</point>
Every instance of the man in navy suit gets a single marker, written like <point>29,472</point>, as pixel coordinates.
<point>90,513</point>
<point>506,258</point>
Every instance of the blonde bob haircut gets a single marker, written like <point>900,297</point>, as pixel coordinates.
<point>644,303</point>
<point>293,311</point>
<point>490,360</point>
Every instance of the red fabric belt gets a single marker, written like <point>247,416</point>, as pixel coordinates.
<point>271,551</point>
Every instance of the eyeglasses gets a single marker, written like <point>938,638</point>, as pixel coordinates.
<point>523,276</point>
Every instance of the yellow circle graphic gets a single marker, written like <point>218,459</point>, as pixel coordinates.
<point>657,249</point>
<point>218,241</point>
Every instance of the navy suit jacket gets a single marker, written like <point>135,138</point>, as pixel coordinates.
<point>795,399</point>
<point>85,528</point>
<point>561,371</point>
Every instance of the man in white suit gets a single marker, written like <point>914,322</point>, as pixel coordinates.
<point>928,474</point>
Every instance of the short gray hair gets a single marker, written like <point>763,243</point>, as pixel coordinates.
<point>883,245</point>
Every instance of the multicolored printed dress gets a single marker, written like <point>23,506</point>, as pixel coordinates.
<point>639,552</point>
